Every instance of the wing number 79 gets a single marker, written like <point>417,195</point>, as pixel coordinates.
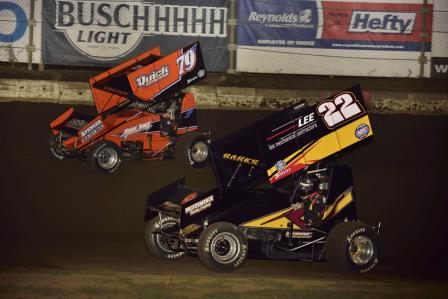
<point>187,61</point>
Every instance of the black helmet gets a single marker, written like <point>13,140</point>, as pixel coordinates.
<point>308,183</point>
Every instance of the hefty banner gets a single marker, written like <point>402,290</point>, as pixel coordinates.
<point>385,26</point>
<point>105,33</point>
<point>355,38</point>
<point>333,25</point>
<point>14,31</point>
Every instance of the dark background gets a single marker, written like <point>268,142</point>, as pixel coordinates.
<point>400,180</point>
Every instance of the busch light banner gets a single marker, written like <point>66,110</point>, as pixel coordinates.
<point>105,33</point>
<point>354,38</point>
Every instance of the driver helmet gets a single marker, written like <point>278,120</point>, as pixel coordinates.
<point>308,183</point>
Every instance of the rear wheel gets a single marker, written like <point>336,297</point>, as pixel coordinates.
<point>158,245</point>
<point>222,247</point>
<point>352,247</point>
<point>191,149</point>
<point>105,157</point>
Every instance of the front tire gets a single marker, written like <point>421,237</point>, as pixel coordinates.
<point>105,157</point>
<point>56,147</point>
<point>191,149</point>
<point>156,244</point>
<point>222,247</point>
<point>353,247</point>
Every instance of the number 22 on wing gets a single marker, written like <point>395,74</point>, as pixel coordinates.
<point>340,109</point>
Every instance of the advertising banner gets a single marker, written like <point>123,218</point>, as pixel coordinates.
<point>105,33</point>
<point>14,31</point>
<point>361,38</point>
<point>439,53</point>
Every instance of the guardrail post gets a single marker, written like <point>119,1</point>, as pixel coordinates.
<point>424,37</point>
<point>30,48</point>
<point>232,23</point>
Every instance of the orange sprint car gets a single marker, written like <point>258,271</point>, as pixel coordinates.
<point>142,114</point>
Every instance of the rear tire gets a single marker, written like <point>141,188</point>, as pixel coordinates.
<point>191,149</point>
<point>353,247</point>
<point>105,157</point>
<point>155,243</point>
<point>222,247</point>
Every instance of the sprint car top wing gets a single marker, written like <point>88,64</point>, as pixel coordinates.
<point>148,77</point>
<point>288,141</point>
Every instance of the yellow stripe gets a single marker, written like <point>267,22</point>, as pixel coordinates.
<point>276,224</point>
<point>330,144</point>
<point>340,204</point>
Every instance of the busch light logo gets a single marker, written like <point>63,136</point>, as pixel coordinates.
<point>153,77</point>
<point>280,165</point>
<point>362,131</point>
<point>382,22</point>
<point>302,19</point>
<point>111,29</point>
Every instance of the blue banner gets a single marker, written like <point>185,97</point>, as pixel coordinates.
<point>333,25</point>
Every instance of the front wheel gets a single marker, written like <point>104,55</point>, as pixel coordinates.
<point>222,247</point>
<point>56,147</point>
<point>105,157</point>
<point>159,245</point>
<point>353,247</point>
<point>192,149</point>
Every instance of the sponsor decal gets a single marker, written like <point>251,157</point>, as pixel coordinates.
<point>241,159</point>
<point>375,262</point>
<point>285,133</point>
<point>92,130</point>
<point>201,73</point>
<point>110,29</point>
<point>200,206</point>
<point>301,19</point>
<point>362,131</point>
<point>141,128</point>
<point>378,26</point>
<point>382,22</point>
<point>282,173</point>
<point>439,67</point>
<point>280,165</point>
<point>299,235</point>
<point>153,77</point>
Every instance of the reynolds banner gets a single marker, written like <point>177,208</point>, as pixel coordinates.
<point>105,33</point>
<point>333,30</point>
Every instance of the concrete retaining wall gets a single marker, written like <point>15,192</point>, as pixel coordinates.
<point>228,97</point>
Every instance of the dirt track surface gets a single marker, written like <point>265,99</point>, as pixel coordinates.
<point>61,215</point>
<point>125,270</point>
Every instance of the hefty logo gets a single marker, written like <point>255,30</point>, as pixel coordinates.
<point>385,26</point>
<point>382,22</point>
<point>153,77</point>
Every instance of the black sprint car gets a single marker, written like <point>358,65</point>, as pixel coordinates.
<point>280,193</point>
